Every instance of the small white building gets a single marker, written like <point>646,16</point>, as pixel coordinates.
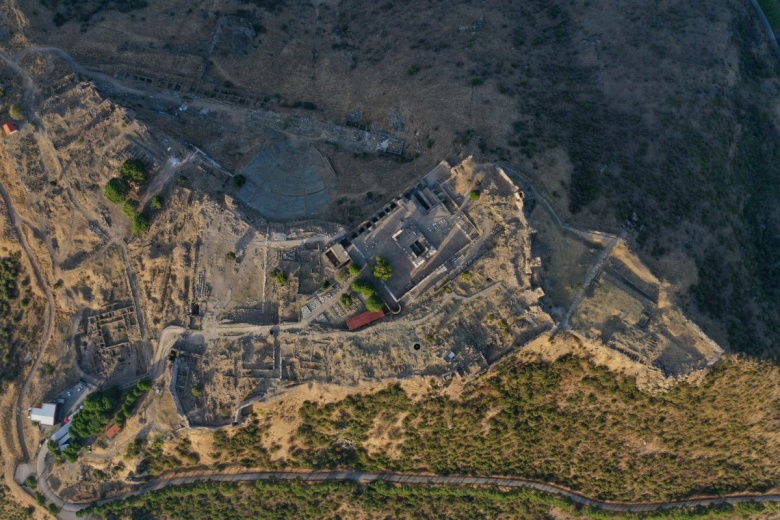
<point>45,415</point>
<point>61,433</point>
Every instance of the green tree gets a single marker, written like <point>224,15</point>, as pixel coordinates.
<point>134,170</point>
<point>116,190</point>
<point>382,269</point>
<point>16,111</point>
<point>363,287</point>
<point>30,482</point>
<point>354,269</point>
<point>474,195</point>
<point>130,208</point>
<point>48,369</point>
<point>374,303</point>
<point>157,202</point>
<point>230,256</point>
<point>346,300</point>
<point>181,180</point>
<point>139,224</point>
<point>239,180</point>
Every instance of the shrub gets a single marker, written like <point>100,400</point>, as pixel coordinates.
<point>374,303</point>
<point>239,180</point>
<point>134,170</point>
<point>230,256</point>
<point>474,195</point>
<point>48,369</point>
<point>30,482</point>
<point>130,208</point>
<point>116,190</point>
<point>280,277</point>
<point>157,202</point>
<point>346,300</point>
<point>181,180</point>
<point>139,225</point>
<point>382,269</point>
<point>16,111</point>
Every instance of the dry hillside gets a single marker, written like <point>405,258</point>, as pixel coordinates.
<point>661,116</point>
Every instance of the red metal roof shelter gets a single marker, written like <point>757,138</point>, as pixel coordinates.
<point>361,320</point>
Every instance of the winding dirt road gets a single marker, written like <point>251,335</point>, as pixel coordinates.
<point>416,479</point>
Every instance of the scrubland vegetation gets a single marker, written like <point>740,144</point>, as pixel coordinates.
<point>569,422</point>
<point>16,301</point>
<point>10,510</point>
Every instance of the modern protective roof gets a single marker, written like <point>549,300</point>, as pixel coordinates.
<point>361,320</point>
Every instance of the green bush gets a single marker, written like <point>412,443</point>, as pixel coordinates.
<point>346,300</point>
<point>116,190</point>
<point>139,224</point>
<point>130,208</point>
<point>230,256</point>
<point>363,287</point>
<point>474,195</point>
<point>134,170</point>
<point>16,111</point>
<point>382,269</point>
<point>239,180</point>
<point>374,303</point>
<point>157,202</point>
<point>181,180</point>
<point>280,277</point>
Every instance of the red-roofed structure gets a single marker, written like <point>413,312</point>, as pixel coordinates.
<point>9,128</point>
<point>113,431</point>
<point>361,320</point>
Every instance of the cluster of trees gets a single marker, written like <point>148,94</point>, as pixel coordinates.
<point>243,446</point>
<point>155,459</point>
<point>132,173</point>
<point>518,411</point>
<point>9,273</point>
<point>90,421</point>
<point>130,399</point>
<point>373,302</point>
<point>10,313</point>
